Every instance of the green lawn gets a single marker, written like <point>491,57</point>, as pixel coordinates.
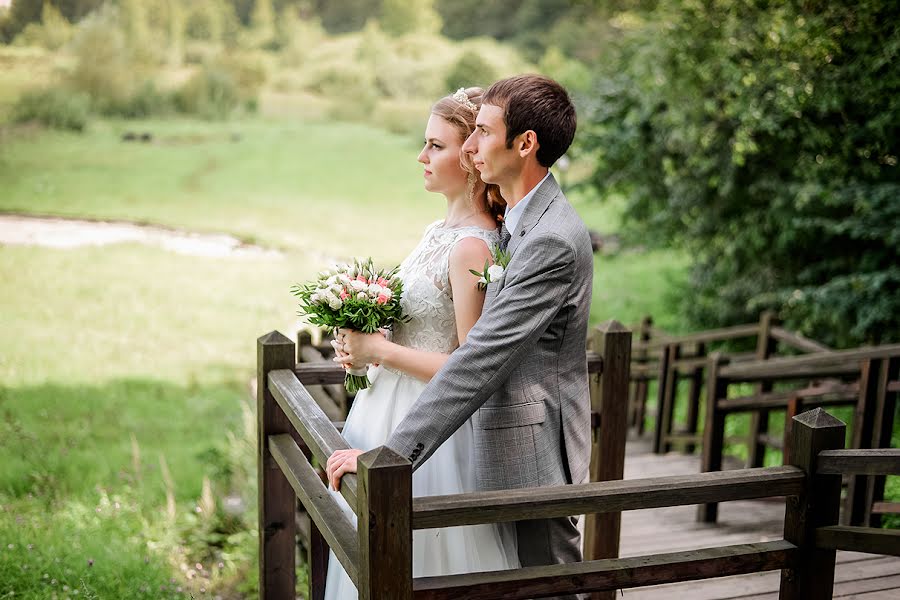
<point>117,360</point>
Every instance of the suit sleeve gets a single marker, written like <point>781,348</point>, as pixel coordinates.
<point>535,290</point>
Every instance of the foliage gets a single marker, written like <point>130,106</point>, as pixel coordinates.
<point>763,139</point>
<point>53,31</point>
<point>400,16</point>
<point>57,108</point>
<point>211,93</point>
<point>471,69</point>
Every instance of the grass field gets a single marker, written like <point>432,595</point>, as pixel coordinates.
<point>124,370</point>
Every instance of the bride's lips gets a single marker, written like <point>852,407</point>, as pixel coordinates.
<point>478,165</point>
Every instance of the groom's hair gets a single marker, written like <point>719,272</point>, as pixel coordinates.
<point>538,103</point>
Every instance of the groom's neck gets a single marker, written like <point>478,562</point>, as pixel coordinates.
<point>515,190</point>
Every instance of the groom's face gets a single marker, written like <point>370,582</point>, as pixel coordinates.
<point>487,146</point>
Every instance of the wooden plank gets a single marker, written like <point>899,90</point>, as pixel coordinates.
<point>275,498</point>
<point>607,574</point>
<point>713,430</point>
<point>712,335</point>
<point>311,423</point>
<point>833,393</point>
<point>859,539</point>
<point>330,519</point>
<point>610,496</point>
<point>873,461</point>
<point>886,508</point>
<point>795,340</point>
<point>839,362</point>
<point>385,535</point>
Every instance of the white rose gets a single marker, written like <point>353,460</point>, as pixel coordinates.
<point>375,289</point>
<point>362,296</point>
<point>315,297</point>
<point>359,286</point>
<point>495,272</point>
<point>333,301</point>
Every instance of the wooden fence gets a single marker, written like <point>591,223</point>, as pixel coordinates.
<point>377,554</point>
<point>607,365</point>
<point>866,378</point>
<point>669,360</point>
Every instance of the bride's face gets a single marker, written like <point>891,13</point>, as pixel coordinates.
<point>443,173</point>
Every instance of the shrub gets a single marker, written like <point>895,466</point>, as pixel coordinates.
<point>471,69</point>
<point>54,107</point>
<point>211,93</point>
<point>146,101</point>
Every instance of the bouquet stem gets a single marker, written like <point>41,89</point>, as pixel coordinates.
<point>356,380</point>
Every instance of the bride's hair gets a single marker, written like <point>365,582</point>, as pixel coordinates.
<point>460,110</point>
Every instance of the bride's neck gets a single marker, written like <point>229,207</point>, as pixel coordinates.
<point>462,211</point>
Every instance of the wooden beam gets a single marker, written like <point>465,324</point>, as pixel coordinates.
<point>610,496</point>
<point>795,340</point>
<point>608,574</point>
<point>886,508</point>
<point>311,423</point>
<point>859,539</point>
<point>875,461</point>
<point>323,509</point>
<point>843,362</point>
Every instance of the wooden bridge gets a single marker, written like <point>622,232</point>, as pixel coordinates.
<point>777,533</point>
<point>675,529</point>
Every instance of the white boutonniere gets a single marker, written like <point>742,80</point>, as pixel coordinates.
<point>492,272</point>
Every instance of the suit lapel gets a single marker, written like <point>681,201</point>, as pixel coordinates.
<point>537,206</point>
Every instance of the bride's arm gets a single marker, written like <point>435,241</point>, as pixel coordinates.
<point>468,300</point>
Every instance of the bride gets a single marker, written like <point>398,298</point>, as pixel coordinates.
<point>443,300</point>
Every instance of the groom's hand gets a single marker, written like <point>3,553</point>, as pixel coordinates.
<point>339,464</point>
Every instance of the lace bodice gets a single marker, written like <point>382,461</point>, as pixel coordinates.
<point>427,296</point>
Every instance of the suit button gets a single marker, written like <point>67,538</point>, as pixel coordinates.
<point>419,446</point>
<point>522,233</point>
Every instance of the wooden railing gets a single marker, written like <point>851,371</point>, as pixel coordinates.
<point>377,553</point>
<point>866,378</point>
<point>669,360</point>
<point>608,382</point>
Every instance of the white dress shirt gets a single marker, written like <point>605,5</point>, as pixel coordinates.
<point>514,214</point>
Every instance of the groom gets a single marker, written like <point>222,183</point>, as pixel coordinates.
<point>522,372</point>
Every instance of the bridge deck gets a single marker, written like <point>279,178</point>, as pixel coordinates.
<point>862,576</point>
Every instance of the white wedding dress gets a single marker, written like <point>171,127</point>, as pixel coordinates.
<point>428,300</point>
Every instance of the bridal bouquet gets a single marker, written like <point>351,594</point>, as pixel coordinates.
<point>353,296</point>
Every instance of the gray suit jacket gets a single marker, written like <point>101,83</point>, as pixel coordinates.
<point>522,372</point>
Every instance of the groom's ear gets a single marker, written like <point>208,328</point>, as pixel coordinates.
<point>527,143</point>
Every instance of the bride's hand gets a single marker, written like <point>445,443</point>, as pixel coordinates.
<point>339,353</point>
<point>360,348</point>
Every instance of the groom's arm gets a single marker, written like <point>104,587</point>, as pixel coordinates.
<point>535,290</point>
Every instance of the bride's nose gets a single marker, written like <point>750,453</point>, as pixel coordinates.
<point>423,157</point>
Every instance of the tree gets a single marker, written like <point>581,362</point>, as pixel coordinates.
<point>763,138</point>
<point>401,16</point>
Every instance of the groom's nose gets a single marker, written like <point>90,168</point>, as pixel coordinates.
<point>470,146</point>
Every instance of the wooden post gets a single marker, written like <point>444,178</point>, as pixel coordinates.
<point>713,430</point>
<point>871,374</point>
<point>882,428</point>
<point>277,528</point>
<point>641,387</point>
<point>794,408</point>
<point>385,525</point>
<point>693,407</point>
<point>613,343</point>
<point>812,577</point>
<point>759,419</point>
<point>659,433</point>
<point>669,396</point>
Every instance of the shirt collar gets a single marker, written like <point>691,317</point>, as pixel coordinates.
<point>513,215</point>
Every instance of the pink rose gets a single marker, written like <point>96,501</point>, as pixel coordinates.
<point>361,278</point>
<point>344,295</point>
<point>383,282</point>
<point>382,298</point>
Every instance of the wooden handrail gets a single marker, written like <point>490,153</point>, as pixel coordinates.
<point>859,539</point>
<point>839,362</point>
<point>798,341</point>
<point>712,335</point>
<point>326,373</point>
<point>609,574</point>
<point>606,496</point>
<point>311,423</point>
<point>824,394</point>
<point>323,509</point>
<point>878,461</point>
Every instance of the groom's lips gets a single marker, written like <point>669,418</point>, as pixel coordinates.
<point>427,173</point>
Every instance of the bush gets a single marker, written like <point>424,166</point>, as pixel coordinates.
<point>103,69</point>
<point>471,69</point>
<point>211,93</point>
<point>147,101</point>
<point>55,107</point>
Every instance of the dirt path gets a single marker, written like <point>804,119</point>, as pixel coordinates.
<point>55,232</point>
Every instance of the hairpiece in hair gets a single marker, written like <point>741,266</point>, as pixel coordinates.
<point>463,98</point>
